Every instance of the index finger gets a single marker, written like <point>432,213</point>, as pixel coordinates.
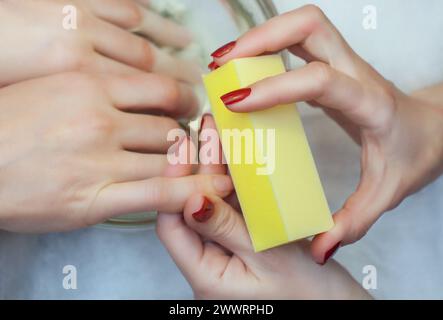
<point>307,26</point>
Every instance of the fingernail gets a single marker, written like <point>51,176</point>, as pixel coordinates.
<point>222,51</point>
<point>205,213</point>
<point>236,96</point>
<point>223,184</point>
<point>330,253</point>
<point>213,66</point>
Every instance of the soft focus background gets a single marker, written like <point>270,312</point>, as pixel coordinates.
<point>406,246</point>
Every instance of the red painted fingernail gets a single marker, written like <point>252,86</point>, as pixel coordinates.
<point>213,66</point>
<point>330,253</point>
<point>205,213</point>
<point>222,51</point>
<point>236,96</point>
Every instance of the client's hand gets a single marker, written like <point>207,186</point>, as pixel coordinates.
<point>74,152</point>
<point>212,248</point>
<point>35,42</point>
<point>400,136</point>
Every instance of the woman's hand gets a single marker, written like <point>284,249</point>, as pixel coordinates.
<point>212,248</point>
<point>400,136</point>
<point>74,150</point>
<point>35,43</point>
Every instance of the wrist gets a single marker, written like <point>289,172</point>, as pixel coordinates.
<point>422,131</point>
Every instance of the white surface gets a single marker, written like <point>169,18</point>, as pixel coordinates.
<point>405,246</point>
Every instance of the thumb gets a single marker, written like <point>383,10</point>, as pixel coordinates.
<point>217,221</point>
<point>372,198</point>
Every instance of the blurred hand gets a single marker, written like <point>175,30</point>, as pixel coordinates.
<point>73,153</point>
<point>212,248</point>
<point>35,44</point>
<point>400,135</point>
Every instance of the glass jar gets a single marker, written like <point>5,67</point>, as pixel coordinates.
<point>213,23</point>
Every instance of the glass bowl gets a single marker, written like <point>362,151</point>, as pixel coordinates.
<point>213,23</point>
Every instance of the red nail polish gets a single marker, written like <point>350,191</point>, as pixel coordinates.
<point>205,213</point>
<point>213,66</point>
<point>236,96</point>
<point>224,50</point>
<point>330,253</point>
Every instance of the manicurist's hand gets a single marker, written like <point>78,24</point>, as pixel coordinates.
<point>400,136</point>
<point>77,149</point>
<point>35,42</point>
<point>213,250</point>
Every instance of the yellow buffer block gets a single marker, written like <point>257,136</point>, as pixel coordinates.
<point>269,158</point>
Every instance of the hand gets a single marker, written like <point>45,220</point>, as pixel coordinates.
<point>35,44</point>
<point>212,248</point>
<point>73,153</point>
<point>400,135</point>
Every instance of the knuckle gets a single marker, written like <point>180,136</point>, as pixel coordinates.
<point>314,12</point>
<point>64,57</point>
<point>357,230</point>
<point>224,225</point>
<point>323,75</point>
<point>355,226</point>
<point>97,126</point>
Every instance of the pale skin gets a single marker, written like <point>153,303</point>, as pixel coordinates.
<point>400,134</point>
<point>217,258</point>
<point>78,148</point>
<point>35,43</point>
<point>79,157</point>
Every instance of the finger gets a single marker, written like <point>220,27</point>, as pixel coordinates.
<point>180,69</point>
<point>183,149</point>
<point>307,26</point>
<point>215,220</point>
<point>153,93</point>
<point>211,154</point>
<point>157,194</point>
<point>102,65</point>
<point>315,82</point>
<point>114,42</point>
<point>360,212</point>
<point>183,244</point>
<point>145,133</point>
<point>123,13</point>
<point>192,256</point>
<point>162,31</point>
<point>121,45</point>
<point>130,166</point>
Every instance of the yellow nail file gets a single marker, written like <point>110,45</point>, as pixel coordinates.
<point>276,179</point>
